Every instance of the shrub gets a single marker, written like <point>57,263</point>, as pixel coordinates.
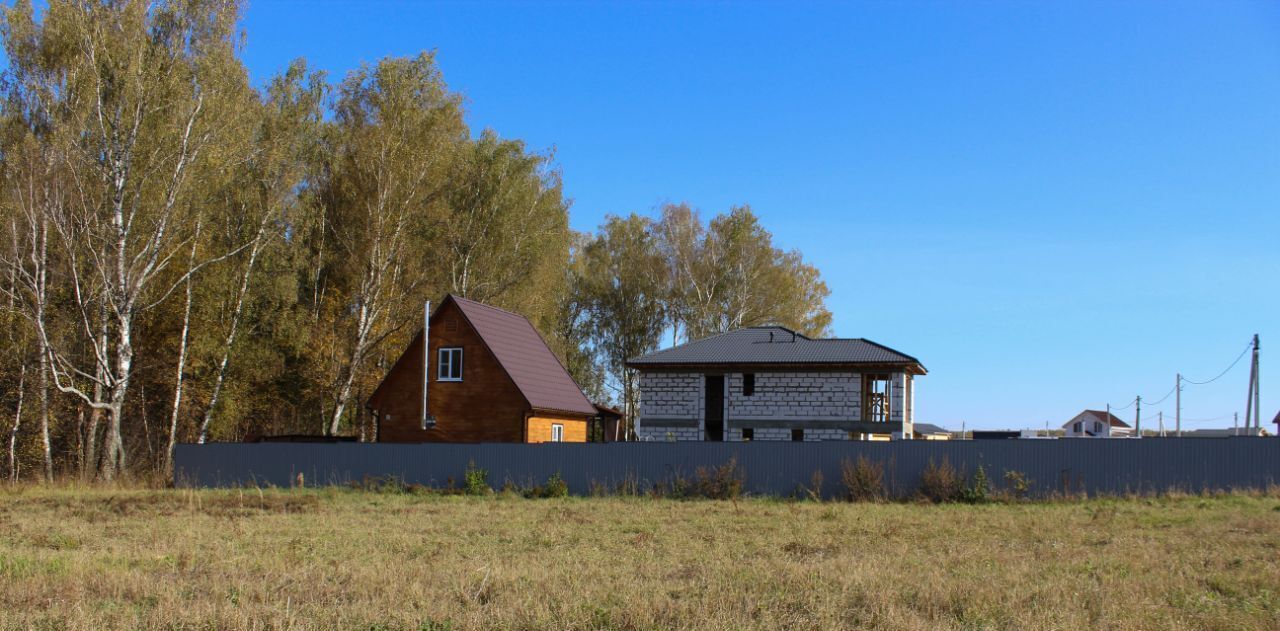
<point>719,483</point>
<point>1017,483</point>
<point>863,481</point>
<point>814,492</point>
<point>939,482</point>
<point>555,486</point>
<point>475,481</point>
<point>979,492</point>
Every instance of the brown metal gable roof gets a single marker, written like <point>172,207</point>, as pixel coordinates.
<point>1101,415</point>
<point>521,351</point>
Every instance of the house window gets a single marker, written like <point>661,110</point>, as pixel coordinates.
<point>1076,428</point>
<point>1097,427</point>
<point>557,433</point>
<point>449,368</point>
<point>797,435</point>
<point>875,398</point>
<point>748,384</point>
<point>748,434</point>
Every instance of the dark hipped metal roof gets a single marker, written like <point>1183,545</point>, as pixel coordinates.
<point>774,345</point>
<point>525,356</point>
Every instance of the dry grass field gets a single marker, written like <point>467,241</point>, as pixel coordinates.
<point>101,558</point>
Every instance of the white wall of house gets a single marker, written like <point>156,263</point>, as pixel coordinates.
<point>1091,427</point>
<point>833,396</point>
<point>671,406</point>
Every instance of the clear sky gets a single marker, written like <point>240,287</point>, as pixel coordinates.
<point>1053,205</point>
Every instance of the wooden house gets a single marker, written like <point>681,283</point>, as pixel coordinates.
<point>490,378</point>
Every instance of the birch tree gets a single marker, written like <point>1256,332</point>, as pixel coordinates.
<point>265,191</point>
<point>507,232</point>
<point>395,130</point>
<point>623,281</point>
<point>728,275</point>
<point>151,89</point>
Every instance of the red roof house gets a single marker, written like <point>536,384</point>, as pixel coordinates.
<point>490,378</point>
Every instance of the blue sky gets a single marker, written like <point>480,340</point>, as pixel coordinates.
<point>1053,205</point>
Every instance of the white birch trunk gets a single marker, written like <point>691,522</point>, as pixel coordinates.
<point>17,424</point>
<point>182,362</point>
<point>235,326</point>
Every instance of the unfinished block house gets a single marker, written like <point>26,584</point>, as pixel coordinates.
<point>771,383</point>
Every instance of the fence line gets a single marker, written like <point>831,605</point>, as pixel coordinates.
<point>1092,466</point>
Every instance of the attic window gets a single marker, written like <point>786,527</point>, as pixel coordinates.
<point>449,368</point>
<point>451,325</point>
<point>748,384</point>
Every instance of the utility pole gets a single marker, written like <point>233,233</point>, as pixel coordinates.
<point>1250,400</point>
<point>1177,387</point>
<point>1137,420</point>
<point>1160,416</point>
<point>1257,385</point>
<point>1235,424</point>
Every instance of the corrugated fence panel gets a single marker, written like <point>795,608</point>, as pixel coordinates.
<point>1070,465</point>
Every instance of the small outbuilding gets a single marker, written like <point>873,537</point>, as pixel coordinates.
<point>489,377</point>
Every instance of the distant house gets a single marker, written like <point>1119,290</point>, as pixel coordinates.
<point>771,383</point>
<point>491,379</point>
<point>926,431</point>
<point>1096,424</point>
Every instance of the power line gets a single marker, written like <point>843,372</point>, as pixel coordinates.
<point>1166,396</point>
<point>1247,348</point>
<point>1116,409</point>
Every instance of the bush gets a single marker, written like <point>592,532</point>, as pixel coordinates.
<point>475,481</point>
<point>555,486</point>
<point>980,491</point>
<point>1018,484</point>
<point>939,482</point>
<point>719,483</point>
<point>724,482</point>
<point>863,481</point>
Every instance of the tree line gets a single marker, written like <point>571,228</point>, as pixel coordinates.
<point>193,258</point>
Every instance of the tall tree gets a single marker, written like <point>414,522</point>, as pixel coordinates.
<point>395,132</point>
<point>507,231</point>
<point>148,96</point>
<point>263,191</point>
<point>626,290</point>
<point>729,275</point>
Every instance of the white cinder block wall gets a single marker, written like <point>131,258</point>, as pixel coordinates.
<point>670,396</point>
<point>808,396</point>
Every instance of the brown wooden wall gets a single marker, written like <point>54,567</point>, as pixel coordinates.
<point>484,407</point>
<point>539,428</point>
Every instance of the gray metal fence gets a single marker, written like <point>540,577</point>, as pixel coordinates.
<point>1090,466</point>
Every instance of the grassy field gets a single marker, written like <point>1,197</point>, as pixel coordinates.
<point>101,558</point>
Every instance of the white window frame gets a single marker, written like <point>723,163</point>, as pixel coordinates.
<point>557,433</point>
<point>445,365</point>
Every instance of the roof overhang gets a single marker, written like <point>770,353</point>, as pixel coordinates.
<point>909,368</point>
